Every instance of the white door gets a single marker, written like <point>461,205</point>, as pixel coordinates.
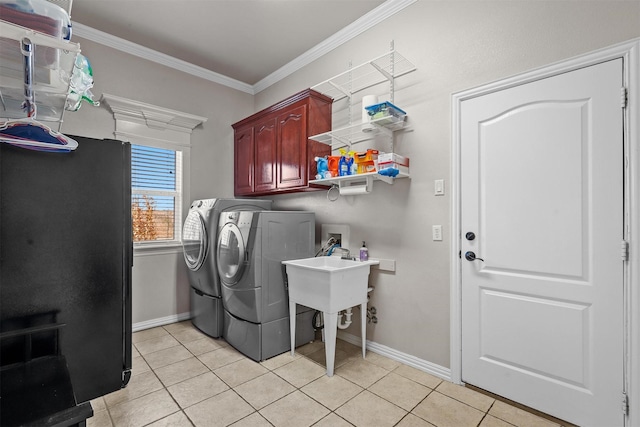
<point>542,192</point>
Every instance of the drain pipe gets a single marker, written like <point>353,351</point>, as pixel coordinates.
<point>348,313</point>
<point>347,322</point>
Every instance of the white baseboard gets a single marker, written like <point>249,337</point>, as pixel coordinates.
<point>383,350</point>
<point>148,324</point>
<point>407,359</point>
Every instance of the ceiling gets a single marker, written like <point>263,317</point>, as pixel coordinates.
<point>245,40</point>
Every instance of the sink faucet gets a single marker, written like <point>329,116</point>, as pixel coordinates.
<point>345,252</point>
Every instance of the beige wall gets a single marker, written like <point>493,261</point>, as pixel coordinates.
<point>160,283</point>
<point>455,45</point>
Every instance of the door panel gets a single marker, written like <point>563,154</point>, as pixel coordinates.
<point>542,189</point>
<point>244,149</point>
<point>292,148</point>
<point>265,163</point>
<point>520,351</point>
<point>557,175</point>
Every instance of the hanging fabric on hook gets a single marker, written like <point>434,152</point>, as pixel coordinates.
<point>80,85</point>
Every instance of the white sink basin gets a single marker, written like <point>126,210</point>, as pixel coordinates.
<point>328,284</point>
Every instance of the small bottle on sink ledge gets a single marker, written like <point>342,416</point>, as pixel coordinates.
<point>364,252</point>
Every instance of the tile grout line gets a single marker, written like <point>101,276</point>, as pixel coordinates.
<point>300,388</point>
<point>181,409</point>
<point>272,370</point>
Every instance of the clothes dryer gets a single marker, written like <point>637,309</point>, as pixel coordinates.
<point>250,250</point>
<point>199,235</point>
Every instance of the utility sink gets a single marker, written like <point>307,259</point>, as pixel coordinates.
<point>329,284</point>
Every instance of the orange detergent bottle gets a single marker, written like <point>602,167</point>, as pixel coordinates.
<point>333,163</point>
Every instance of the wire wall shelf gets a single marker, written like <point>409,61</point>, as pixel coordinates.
<point>384,68</point>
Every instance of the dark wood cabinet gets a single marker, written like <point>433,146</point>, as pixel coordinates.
<point>272,152</point>
<point>265,156</point>
<point>244,148</point>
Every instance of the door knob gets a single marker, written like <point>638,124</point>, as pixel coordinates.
<point>471,256</point>
<point>470,235</point>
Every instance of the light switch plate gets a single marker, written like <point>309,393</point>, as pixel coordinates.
<point>437,233</point>
<point>438,186</point>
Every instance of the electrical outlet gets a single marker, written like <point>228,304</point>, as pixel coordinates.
<point>437,233</point>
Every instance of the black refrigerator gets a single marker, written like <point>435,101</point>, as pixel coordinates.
<point>66,255</point>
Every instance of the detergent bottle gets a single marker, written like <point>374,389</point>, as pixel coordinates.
<point>343,168</point>
<point>333,163</point>
<point>322,167</point>
<point>346,163</point>
<point>353,167</point>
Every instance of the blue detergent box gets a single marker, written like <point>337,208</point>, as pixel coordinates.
<point>379,112</point>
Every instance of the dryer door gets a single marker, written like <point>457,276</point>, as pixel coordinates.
<point>195,240</point>
<point>231,254</point>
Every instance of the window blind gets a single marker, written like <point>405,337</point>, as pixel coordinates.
<point>155,182</point>
<point>153,168</point>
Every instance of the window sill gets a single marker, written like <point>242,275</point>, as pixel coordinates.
<point>157,248</point>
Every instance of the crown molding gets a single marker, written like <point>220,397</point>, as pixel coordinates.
<point>86,32</point>
<point>377,15</point>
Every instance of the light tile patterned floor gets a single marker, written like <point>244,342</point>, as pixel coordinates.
<point>181,377</point>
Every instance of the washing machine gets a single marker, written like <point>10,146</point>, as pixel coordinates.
<point>199,236</point>
<point>250,250</point>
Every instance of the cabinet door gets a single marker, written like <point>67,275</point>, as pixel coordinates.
<point>244,149</point>
<point>292,148</point>
<point>265,157</point>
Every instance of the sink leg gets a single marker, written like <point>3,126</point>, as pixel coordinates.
<point>330,333</point>
<point>363,327</point>
<point>292,326</point>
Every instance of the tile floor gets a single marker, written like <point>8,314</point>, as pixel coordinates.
<point>181,377</point>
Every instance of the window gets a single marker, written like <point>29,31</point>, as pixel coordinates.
<point>160,167</point>
<point>156,193</point>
